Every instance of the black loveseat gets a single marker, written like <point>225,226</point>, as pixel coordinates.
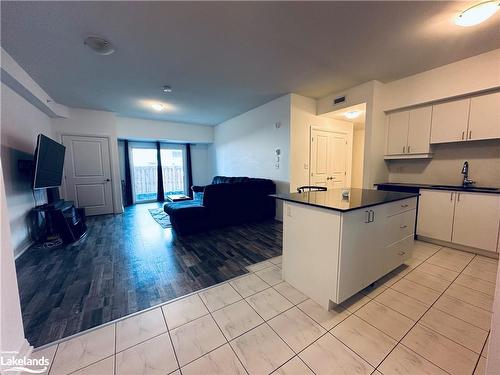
<point>227,201</point>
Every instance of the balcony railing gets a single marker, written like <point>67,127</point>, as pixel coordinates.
<point>146,181</point>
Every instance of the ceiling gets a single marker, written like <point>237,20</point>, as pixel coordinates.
<point>224,58</point>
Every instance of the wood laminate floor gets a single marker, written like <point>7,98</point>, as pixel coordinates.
<point>129,263</point>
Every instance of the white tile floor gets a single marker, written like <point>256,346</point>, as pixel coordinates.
<point>432,317</point>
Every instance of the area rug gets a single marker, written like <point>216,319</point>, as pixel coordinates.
<point>161,217</point>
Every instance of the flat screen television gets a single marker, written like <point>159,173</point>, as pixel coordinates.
<point>49,163</point>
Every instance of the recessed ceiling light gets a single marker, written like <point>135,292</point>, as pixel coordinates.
<point>157,106</point>
<point>99,45</point>
<point>167,89</point>
<point>477,13</point>
<point>352,114</point>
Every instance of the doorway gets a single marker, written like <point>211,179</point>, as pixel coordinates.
<point>330,158</point>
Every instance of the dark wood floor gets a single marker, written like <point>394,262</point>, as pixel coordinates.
<point>128,263</point>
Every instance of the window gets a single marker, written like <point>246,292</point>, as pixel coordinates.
<point>144,170</point>
<point>173,170</point>
<point>144,174</point>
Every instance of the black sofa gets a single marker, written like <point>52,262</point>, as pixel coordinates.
<point>227,201</point>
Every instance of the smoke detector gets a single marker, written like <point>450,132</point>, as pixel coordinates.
<point>99,45</point>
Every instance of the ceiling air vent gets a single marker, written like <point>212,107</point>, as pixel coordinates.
<point>339,100</point>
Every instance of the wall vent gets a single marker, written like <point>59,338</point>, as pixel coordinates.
<point>339,100</point>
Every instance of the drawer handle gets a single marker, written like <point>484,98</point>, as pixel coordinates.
<point>403,226</point>
<point>401,253</point>
<point>404,205</point>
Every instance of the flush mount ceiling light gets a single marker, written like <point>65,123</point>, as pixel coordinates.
<point>157,106</point>
<point>477,13</point>
<point>352,114</point>
<point>167,89</point>
<point>99,45</point>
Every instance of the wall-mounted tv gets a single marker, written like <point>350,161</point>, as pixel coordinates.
<point>49,163</point>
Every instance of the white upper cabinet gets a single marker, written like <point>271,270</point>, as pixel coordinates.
<point>449,121</point>
<point>484,118</point>
<point>476,220</point>
<point>419,130</point>
<point>397,132</point>
<point>408,133</point>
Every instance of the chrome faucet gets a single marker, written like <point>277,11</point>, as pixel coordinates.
<point>465,171</point>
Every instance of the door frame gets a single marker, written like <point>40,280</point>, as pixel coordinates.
<point>62,188</point>
<point>349,149</point>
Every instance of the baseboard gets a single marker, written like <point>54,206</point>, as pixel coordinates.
<point>23,250</point>
<point>486,253</point>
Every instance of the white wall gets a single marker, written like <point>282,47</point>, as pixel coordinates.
<point>358,152</point>
<point>477,73</point>
<point>245,145</point>
<point>303,116</point>
<point>11,324</point>
<point>372,93</point>
<point>147,130</point>
<point>99,123</point>
<point>21,123</point>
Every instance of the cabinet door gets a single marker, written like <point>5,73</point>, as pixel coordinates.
<point>358,251</point>
<point>449,121</point>
<point>484,119</point>
<point>419,130</point>
<point>476,220</point>
<point>397,133</point>
<point>435,214</point>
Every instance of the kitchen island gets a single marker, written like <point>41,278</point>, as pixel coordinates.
<point>334,247</point>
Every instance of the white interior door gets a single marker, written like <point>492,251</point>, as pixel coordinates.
<point>329,159</point>
<point>87,171</point>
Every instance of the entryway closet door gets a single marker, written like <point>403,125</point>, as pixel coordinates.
<point>87,172</point>
<point>329,159</point>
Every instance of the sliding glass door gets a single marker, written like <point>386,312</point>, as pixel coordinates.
<point>144,170</point>
<point>173,165</point>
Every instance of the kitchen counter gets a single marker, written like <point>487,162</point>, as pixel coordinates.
<point>333,200</point>
<point>333,247</point>
<point>414,187</point>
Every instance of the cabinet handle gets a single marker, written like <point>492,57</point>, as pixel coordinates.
<point>408,151</point>
<point>404,149</point>
<point>401,253</point>
<point>367,217</point>
<point>451,196</point>
<point>458,197</point>
<point>404,205</point>
<point>403,226</point>
<point>470,134</point>
<point>463,133</point>
<point>372,215</point>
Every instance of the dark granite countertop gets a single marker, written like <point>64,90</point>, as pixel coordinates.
<point>473,189</point>
<point>332,199</point>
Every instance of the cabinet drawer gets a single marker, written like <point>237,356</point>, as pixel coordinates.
<point>400,226</point>
<point>395,208</point>
<point>397,253</point>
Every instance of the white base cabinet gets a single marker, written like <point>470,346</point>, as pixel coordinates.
<point>463,218</point>
<point>331,255</point>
